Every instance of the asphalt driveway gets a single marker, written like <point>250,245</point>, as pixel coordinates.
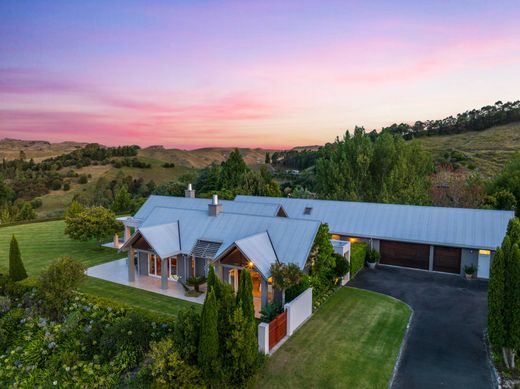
<point>445,346</point>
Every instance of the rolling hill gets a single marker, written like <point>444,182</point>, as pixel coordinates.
<point>489,150</point>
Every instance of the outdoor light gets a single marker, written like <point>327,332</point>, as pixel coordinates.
<point>250,264</point>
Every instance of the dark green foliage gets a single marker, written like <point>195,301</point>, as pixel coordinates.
<point>513,230</point>
<point>270,311</point>
<point>214,282</point>
<point>285,276</point>
<point>512,299</point>
<point>322,257</point>
<point>93,223</point>
<point>372,256</point>
<point>242,343</point>
<point>495,318</point>
<point>294,291</point>
<point>186,332</point>
<point>208,352</point>
<point>505,188</point>
<point>66,186</point>
<point>357,257</point>
<point>25,212</point>
<point>388,170</point>
<point>16,268</point>
<point>168,165</point>
<point>58,284</point>
<point>196,282</point>
<point>83,179</point>
<point>123,201</point>
<point>245,296</point>
<point>342,266</point>
<point>267,158</point>
<point>169,370</point>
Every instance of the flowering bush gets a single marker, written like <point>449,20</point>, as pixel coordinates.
<point>75,351</point>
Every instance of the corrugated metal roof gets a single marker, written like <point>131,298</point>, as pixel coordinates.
<point>291,239</point>
<point>258,248</point>
<point>459,227</point>
<point>205,249</point>
<point>164,239</point>
<point>228,206</point>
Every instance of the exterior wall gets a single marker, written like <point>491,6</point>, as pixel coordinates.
<point>468,257</point>
<point>143,263</point>
<point>298,311</point>
<point>201,267</point>
<point>183,267</point>
<point>375,244</point>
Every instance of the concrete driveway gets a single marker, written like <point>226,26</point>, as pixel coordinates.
<point>445,346</point>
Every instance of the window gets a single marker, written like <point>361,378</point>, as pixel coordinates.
<point>307,211</point>
<point>154,265</point>
<point>484,252</point>
<point>173,266</point>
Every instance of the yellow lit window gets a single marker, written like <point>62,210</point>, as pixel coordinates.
<point>335,237</point>
<point>484,252</point>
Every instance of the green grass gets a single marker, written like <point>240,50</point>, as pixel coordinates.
<point>489,149</point>
<point>352,341</point>
<point>41,243</point>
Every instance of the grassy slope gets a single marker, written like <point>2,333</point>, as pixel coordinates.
<point>41,243</point>
<point>351,342</point>
<point>489,149</point>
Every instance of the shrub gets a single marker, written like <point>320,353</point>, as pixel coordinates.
<point>186,334</point>
<point>58,283</point>
<point>66,186</point>
<point>16,268</point>
<point>208,352</point>
<point>83,179</point>
<point>36,203</point>
<point>169,370</point>
<point>342,266</point>
<point>270,311</point>
<point>470,269</point>
<point>295,290</point>
<point>357,257</point>
<point>196,282</point>
<point>372,256</point>
<point>93,223</point>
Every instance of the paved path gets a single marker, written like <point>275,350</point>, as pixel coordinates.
<point>445,347</point>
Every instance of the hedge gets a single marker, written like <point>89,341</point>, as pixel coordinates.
<point>357,258</point>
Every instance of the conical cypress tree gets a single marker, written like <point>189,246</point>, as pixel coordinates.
<point>495,322</point>
<point>208,353</point>
<point>16,268</point>
<point>513,308</point>
<point>245,295</point>
<point>214,282</point>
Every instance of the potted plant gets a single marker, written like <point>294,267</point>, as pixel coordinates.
<point>469,271</point>
<point>196,282</point>
<point>373,258</point>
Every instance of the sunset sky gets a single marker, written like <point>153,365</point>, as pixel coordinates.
<point>276,74</point>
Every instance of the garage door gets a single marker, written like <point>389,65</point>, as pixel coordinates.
<point>405,254</point>
<point>446,259</point>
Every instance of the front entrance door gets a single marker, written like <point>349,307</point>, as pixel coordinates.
<point>484,259</point>
<point>154,265</point>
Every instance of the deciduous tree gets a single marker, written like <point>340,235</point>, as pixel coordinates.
<point>93,223</point>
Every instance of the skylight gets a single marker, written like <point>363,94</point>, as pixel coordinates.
<point>307,210</point>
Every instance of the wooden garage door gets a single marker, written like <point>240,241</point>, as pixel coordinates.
<point>446,259</point>
<point>405,254</point>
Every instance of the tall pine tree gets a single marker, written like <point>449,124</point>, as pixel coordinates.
<point>245,296</point>
<point>208,353</point>
<point>16,268</point>
<point>495,322</point>
<point>512,305</point>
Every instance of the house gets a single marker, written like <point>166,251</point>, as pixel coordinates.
<point>420,237</point>
<point>175,238</point>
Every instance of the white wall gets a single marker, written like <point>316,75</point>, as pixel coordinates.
<point>298,311</point>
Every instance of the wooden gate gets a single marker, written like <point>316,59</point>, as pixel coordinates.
<point>277,329</point>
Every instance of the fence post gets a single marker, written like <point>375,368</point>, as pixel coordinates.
<point>263,338</point>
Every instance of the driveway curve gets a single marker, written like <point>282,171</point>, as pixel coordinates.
<point>445,347</point>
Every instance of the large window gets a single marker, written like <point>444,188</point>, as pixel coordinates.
<point>173,266</point>
<point>154,265</point>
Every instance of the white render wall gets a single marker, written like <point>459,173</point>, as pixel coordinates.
<point>298,311</point>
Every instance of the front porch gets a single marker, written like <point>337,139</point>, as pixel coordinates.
<point>117,272</point>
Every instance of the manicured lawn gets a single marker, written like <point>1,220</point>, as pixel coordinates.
<point>136,297</point>
<point>352,341</point>
<point>41,243</point>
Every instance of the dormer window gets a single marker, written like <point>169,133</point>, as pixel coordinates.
<point>307,211</point>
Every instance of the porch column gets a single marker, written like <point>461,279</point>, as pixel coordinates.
<point>128,233</point>
<point>164,274</point>
<point>263,291</point>
<point>131,265</point>
<point>430,262</point>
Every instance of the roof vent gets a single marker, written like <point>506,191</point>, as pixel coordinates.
<point>307,211</point>
<point>215,207</point>
<point>189,192</point>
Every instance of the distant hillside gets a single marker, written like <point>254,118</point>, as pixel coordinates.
<point>201,158</point>
<point>488,149</point>
<point>36,149</point>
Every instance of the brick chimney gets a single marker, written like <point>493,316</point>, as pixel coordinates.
<point>190,193</point>
<point>214,208</point>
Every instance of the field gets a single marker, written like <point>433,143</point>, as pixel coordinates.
<point>352,341</point>
<point>489,149</point>
<point>41,243</point>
